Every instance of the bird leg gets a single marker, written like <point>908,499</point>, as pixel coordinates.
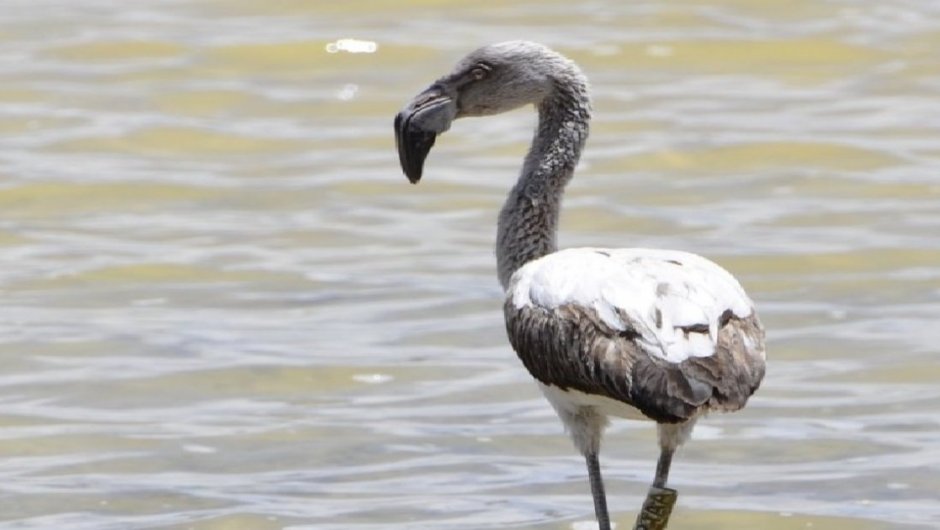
<point>659,500</point>
<point>662,467</point>
<point>597,490</point>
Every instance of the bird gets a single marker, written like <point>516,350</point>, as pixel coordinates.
<point>636,333</point>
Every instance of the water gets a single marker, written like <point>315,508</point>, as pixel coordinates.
<point>224,307</point>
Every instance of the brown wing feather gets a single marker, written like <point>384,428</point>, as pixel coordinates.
<point>571,347</point>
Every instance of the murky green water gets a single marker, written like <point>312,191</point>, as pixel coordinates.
<point>223,307</point>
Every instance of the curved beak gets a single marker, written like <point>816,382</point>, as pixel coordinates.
<point>417,126</point>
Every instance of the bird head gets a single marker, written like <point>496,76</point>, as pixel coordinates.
<point>493,79</point>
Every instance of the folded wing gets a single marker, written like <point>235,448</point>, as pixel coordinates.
<point>669,333</point>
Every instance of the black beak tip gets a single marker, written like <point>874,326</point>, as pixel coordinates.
<point>413,146</point>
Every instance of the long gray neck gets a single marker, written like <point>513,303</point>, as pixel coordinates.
<point>528,221</point>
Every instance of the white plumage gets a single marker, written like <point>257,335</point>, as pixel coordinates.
<point>659,294</point>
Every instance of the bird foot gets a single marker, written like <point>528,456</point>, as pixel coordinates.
<point>656,509</point>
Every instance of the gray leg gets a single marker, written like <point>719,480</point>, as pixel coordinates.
<point>659,500</point>
<point>586,426</point>
<point>597,490</point>
<point>662,467</point>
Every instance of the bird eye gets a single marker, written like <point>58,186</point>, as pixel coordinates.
<point>478,73</point>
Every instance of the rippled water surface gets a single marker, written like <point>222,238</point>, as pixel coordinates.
<point>223,307</point>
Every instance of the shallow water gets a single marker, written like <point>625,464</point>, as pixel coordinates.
<point>224,307</point>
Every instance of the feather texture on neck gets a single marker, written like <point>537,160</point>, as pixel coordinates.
<point>528,221</point>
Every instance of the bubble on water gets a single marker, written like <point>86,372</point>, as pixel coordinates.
<point>348,92</point>
<point>199,449</point>
<point>372,379</point>
<point>352,46</point>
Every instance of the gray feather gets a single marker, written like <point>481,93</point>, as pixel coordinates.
<point>571,347</point>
